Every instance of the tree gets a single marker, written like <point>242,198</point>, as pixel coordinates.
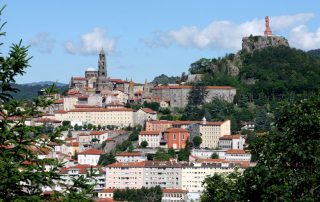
<point>106,159</point>
<point>152,194</point>
<point>22,173</point>
<point>69,135</point>
<point>161,155</point>
<point>288,160</point>
<point>172,153</point>
<point>90,126</point>
<point>66,123</point>
<point>197,140</point>
<point>183,154</point>
<point>144,144</point>
<point>197,95</point>
<point>214,156</point>
<point>76,127</point>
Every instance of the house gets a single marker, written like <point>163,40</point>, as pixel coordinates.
<point>174,195</point>
<point>152,137</point>
<point>143,115</point>
<point>227,142</point>
<point>126,157</point>
<point>90,157</point>
<point>160,125</point>
<point>237,155</point>
<point>176,138</point>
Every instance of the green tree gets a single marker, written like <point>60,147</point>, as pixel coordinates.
<point>144,144</point>
<point>288,160</point>
<point>76,127</point>
<point>69,135</point>
<point>214,156</point>
<point>161,155</point>
<point>197,140</point>
<point>106,159</point>
<point>197,95</point>
<point>22,173</point>
<point>172,153</point>
<point>90,126</point>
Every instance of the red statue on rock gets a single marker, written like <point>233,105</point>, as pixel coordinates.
<point>268,31</point>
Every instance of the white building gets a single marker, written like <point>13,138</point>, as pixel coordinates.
<point>174,195</point>
<point>125,157</point>
<point>231,142</point>
<point>152,137</point>
<point>89,157</point>
<point>237,155</point>
<point>125,175</point>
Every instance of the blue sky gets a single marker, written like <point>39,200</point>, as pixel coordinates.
<point>144,39</point>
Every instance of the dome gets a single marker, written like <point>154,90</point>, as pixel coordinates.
<point>90,69</point>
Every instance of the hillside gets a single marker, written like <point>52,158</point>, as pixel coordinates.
<point>315,52</point>
<point>27,91</point>
<point>269,72</point>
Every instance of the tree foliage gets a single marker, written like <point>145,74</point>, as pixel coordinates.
<point>288,159</point>
<point>106,159</point>
<point>197,140</point>
<point>153,194</point>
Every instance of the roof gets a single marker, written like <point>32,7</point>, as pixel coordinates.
<point>46,120</point>
<point>235,151</point>
<point>108,190</point>
<point>73,144</point>
<point>189,87</point>
<point>101,110</point>
<point>129,164</point>
<point>91,152</point>
<point>58,101</point>
<point>79,78</point>
<point>229,137</point>
<point>129,154</point>
<point>86,106</point>
<point>176,130</point>
<point>159,164</point>
<point>95,132</point>
<point>159,122</point>
<point>150,132</point>
<point>81,167</point>
<point>104,200</point>
<point>166,190</point>
<point>148,110</point>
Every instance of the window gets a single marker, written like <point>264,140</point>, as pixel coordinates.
<point>174,136</point>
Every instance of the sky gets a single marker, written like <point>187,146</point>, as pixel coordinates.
<point>144,38</point>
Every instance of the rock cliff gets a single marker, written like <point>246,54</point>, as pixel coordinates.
<point>252,43</point>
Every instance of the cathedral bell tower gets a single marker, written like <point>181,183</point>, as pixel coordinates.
<point>102,64</point>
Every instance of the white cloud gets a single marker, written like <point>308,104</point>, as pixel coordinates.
<point>91,43</point>
<point>42,42</point>
<point>223,34</point>
<point>301,37</point>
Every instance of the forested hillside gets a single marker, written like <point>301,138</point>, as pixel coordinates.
<point>27,92</point>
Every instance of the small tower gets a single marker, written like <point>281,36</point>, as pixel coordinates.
<point>204,120</point>
<point>102,70</point>
<point>268,31</point>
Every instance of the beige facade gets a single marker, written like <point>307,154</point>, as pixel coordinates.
<point>99,116</point>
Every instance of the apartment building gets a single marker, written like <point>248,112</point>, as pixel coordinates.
<point>126,157</point>
<point>227,142</point>
<point>90,157</point>
<point>152,137</point>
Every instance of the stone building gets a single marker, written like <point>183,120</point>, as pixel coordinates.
<point>177,95</point>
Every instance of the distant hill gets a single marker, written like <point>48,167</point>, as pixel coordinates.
<point>44,83</point>
<point>315,52</point>
<point>29,91</point>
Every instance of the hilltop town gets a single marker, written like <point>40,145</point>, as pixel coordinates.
<point>121,137</point>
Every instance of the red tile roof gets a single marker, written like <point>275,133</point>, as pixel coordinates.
<point>150,133</point>
<point>87,106</point>
<point>174,190</point>
<point>129,154</point>
<point>229,137</point>
<point>79,78</point>
<point>176,130</point>
<point>58,101</point>
<point>81,167</point>
<point>95,132</point>
<point>148,110</point>
<point>91,152</point>
<point>129,164</point>
<point>73,144</point>
<point>235,151</point>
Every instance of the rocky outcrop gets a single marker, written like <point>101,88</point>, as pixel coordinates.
<point>252,43</point>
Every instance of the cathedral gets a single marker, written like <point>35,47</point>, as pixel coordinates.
<point>94,80</point>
